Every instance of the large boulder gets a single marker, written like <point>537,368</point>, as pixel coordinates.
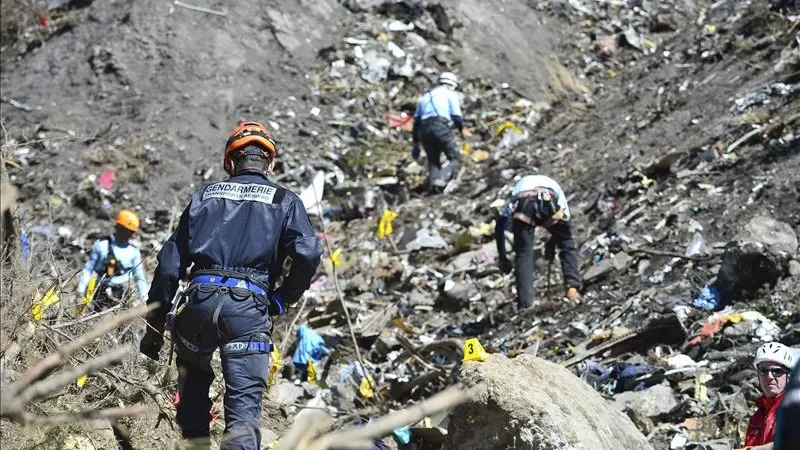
<point>528,403</point>
<point>758,257</point>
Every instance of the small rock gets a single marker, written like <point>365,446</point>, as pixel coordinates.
<point>778,237</point>
<point>426,238</point>
<point>621,261</point>
<point>651,402</point>
<point>794,268</point>
<point>268,436</point>
<point>599,270</point>
<point>377,68</point>
<point>456,295</point>
<point>286,393</point>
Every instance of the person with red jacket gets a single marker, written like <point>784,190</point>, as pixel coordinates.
<point>774,362</point>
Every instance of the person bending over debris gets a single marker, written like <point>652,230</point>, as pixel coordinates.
<point>236,235</point>
<point>112,262</point>
<point>774,362</point>
<point>787,433</point>
<point>436,110</point>
<point>537,200</point>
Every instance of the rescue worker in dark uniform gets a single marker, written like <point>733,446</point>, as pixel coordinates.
<point>235,235</point>
<point>538,201</point>
<point>787,433</point>
<point>437,110</point>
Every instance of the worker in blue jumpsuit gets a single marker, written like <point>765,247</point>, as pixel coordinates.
<point>437,111</point>
<point>236,235</point>
<point>114,261</point>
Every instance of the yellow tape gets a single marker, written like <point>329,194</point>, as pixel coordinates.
<point>50,298</point>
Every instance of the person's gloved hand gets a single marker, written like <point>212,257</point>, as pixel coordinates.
<point>415,152</point>
<point>550,250</point>
<point>276,306</point>
<point>505,265</point>
<point>151,344</point>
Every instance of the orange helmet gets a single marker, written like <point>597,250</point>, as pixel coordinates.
<point>248,133</point>
<point>128,219</point>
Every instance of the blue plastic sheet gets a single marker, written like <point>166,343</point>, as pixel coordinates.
<point>311,346</point>
<point>402,435</point>
<point>708,299</point>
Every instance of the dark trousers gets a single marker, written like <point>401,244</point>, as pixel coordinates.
<point>218,317</point>
<point>438,139</point>
<point>561,237</point>
<point>787,433</point>
<point>107,296</point>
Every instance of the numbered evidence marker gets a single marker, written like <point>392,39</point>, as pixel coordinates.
<point>473,351</point>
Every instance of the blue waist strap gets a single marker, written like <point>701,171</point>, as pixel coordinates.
<point>230,347</point>
<point>219,280</point>
<point>260,347</point>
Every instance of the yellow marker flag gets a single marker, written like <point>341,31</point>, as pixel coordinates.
<point>336,257</point>
<point>365,388</point>
<point>81,381</point>
<point>275,365</point>
<point>50,298</point>
<point>87,298</point>
<point>507,125</point>
<point>385,225</point>
<point>312,372</point>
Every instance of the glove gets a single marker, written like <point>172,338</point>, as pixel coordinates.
<point>550,250</point>
<point>415,152</point>
<point>505,265</point>
<point>276,307</point>
<point>151,344</point>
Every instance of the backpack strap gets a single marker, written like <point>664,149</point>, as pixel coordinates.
<point>119,269</point>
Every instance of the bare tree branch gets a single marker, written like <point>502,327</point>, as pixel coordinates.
<point>56,382</point>
<point>60,419</point>
<point>30,386</point>
<point>60,357</point>
<point>301,433</point>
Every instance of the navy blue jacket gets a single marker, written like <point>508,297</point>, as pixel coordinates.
<point>245,224</point>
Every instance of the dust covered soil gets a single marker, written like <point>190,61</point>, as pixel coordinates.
<point>670,125</point>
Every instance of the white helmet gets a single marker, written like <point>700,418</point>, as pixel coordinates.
<point>775,352</point>
<point>448,78</point>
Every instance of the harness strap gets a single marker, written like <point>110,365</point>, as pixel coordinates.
<point>190,346</point>
<point>234,347</point>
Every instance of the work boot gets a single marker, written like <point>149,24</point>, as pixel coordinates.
<point>573,295</point>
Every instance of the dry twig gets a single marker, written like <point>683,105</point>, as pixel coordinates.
<point>110,414</point>
<point>344,305</point>
<point>56,359</point>
<point>300,435</point>
<point>29,387</point>
<point>201,9</point>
